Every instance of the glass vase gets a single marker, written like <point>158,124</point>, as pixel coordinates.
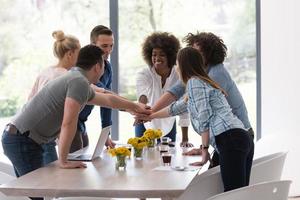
<point>121,162</point>
<point>138,153</point>
<point>151,143</point>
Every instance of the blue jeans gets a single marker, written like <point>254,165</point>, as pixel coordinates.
<point>140,129</point>
<point>25,154</point>
<point>236,149</point>
<point>49,152</point>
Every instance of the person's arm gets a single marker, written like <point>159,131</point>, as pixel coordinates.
<point>177,108</point>
<point>185,138</point>
<point>34,89</point>
<point>67,133</point>
<point>143,84</point>
<point>202,111</point>
<point>204,149</point>
<point>165,100</point>
<point>171,95</point>
<point>163,113</point>
<point>117,102</point>
<point>97,89</point>
<point>184,121</point>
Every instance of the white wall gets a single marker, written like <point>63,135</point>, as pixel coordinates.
<point>280,66</point>
<point>280,78</point>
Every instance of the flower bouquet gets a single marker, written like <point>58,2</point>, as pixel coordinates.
<point>120,153</point>
<point>152,135</point>
<point>138,144</point>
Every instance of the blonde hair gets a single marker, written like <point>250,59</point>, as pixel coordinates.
<point>63,43</point>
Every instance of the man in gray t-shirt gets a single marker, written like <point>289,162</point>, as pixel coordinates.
<point>53,113</point>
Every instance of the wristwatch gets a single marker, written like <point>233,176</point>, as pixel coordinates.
<point>202,146</point>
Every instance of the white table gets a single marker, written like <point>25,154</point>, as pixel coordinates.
<point>101,179</point>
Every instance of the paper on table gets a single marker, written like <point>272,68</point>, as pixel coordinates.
<point>173,168</point>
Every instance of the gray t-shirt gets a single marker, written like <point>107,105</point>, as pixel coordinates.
<point>43,114</point>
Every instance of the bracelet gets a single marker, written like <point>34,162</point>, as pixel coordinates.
<point>204,146</point>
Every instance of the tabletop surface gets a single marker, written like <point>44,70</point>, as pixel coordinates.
<point>141,178</point>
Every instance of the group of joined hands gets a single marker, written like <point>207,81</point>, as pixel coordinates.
<point>144,114</point>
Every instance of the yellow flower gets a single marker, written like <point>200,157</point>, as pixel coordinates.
<point>153,133</point>
<point>119,151</point>
<point>138,142</point>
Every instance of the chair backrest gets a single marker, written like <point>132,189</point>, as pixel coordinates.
<point>4,178</point>
<point>274,190</point>
<point>267,168</point>
<point>209,183</point>
<point>7,168</point>
<point>204,185</point>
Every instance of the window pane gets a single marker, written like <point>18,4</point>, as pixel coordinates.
<point>232,20</point>
<point>26,41</point>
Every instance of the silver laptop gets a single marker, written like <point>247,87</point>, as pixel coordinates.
<point>85,155</point>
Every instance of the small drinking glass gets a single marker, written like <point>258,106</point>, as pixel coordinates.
<point>166,158</point>
<point>163,149</point>
<point>165,140</point>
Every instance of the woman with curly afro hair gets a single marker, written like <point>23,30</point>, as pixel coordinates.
<point>159,51</point>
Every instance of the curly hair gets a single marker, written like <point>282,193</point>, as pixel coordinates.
<point>212,47</point>
<point>162,40</point>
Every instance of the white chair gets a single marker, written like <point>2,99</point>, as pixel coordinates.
<point>4,178</point>
<point>267,168</point>
<point>210,182</point>
<point>274,190</point>
<point>7,168</point>
<point>83,198</point>
<point>204,185</point>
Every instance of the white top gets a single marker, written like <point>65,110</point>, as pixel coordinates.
<point>44,77</point>
<point>149,83</point>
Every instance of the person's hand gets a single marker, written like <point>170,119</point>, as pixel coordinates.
<point>193,152</point>
<point>186,144</point>
<point>142,118</point>
<point>205,158</point>
<point>140,110</point>
<point>72,164</point>
<point>137,122</point>
<point>109,143</point>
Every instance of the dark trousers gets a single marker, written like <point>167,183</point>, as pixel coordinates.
<point>49,152</point>
<point>80,141</point>
<point>215,156</point>
<point>236,149</point>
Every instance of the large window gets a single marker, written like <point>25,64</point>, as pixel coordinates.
<point>233,20</point>
<point>26,42</point>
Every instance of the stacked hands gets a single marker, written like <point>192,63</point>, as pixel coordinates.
<point>145,114</point>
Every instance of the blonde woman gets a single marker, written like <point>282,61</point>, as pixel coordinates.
<point>66,49</point>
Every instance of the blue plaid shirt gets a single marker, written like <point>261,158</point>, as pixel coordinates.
<point>219,74</point>
<point>105,113</point>
<point>208,108</point>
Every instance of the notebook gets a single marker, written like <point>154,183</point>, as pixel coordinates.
<point>83,155</point>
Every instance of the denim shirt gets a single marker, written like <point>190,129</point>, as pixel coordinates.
<point>219,74</point>
<point>208,108</point>
<point>105,113</point>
